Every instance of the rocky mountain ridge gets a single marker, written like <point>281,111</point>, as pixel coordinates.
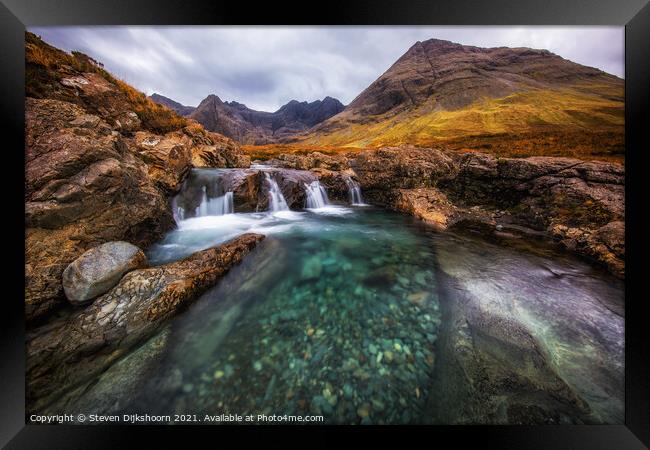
<point>443,93</point>
<point>248,126</point>
<point>172,104</point>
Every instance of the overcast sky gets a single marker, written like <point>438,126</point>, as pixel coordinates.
<point>265,67</point>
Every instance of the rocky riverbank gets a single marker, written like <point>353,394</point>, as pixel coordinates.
<point>580,204</point>
<point>74,348</point>
<point>87,183</point>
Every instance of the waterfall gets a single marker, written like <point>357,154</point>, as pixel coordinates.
<point>316,195</point>
<point>219,206</point>
<point>354,190</point>
<point>276,199</point>
<point>203,206</point>
<point>177,211</point>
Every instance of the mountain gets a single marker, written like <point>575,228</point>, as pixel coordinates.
<point>440,92</point>
<point>248,126</point>
<point>171,104</point>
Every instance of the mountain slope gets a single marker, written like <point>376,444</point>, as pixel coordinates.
<point>440,92</point>
<point>248,126</point>
<point>171,104</point>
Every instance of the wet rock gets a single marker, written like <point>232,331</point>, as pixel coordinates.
<point>115,388</point>
<point>99,269</point>
<point>363,411</point>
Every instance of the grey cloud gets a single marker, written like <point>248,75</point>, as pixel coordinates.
<point>265,67</point>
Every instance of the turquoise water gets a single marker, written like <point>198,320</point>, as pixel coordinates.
<point>362,315</point>
<point>336,313</point>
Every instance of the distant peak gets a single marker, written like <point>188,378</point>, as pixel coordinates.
<point>212,98</point>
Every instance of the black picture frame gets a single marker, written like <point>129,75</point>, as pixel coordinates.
<point>16,15</point>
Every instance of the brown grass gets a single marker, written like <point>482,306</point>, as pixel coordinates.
<point>154,116</point>
<point>606,146</point>
<point>46,65</point>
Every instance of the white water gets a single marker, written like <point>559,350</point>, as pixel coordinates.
<point>354,189</point>
<point>217,206</point>
<point>220,206</point>
<point>316,195</point>
<point>276,199</point>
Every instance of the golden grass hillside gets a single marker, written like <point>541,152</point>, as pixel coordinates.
<point>46,66</point>
<point>584,121</point>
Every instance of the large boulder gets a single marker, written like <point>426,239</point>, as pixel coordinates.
<point>383,171</point>
<point>99,269</point>
<point>168,157</point>
<point>580,203</point>
<point>84,187</point>
<point>63,354</point>
<point>314,160</point>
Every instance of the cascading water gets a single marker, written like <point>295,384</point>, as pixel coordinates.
<point>316,195</point>
<point>208,197</point>
<point>217,206</point>
<point>276,199</point>
<point>221,205</point>
<point>354,190</point>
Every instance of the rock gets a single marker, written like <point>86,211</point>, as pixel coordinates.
<point>115,388</point>
<point>521,372</point>
<point>63,354</point>
<point>428,204</point>
<point>99,269</point>
<point>568,199</point>
<point>417,298</point>
<point>248,126</point>
<point>363,410</point>
<point>381,172</point>
<point>83,187</point>
<point>310,161</point>
<point>168,157</point>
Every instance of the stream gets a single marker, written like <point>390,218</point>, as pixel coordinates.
<point>363,315</point>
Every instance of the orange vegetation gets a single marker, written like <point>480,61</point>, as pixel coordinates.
<point>46,65</point>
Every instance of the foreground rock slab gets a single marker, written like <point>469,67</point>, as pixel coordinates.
<point>63,354</point>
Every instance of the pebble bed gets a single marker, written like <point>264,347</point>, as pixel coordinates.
<point>347,332</point>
